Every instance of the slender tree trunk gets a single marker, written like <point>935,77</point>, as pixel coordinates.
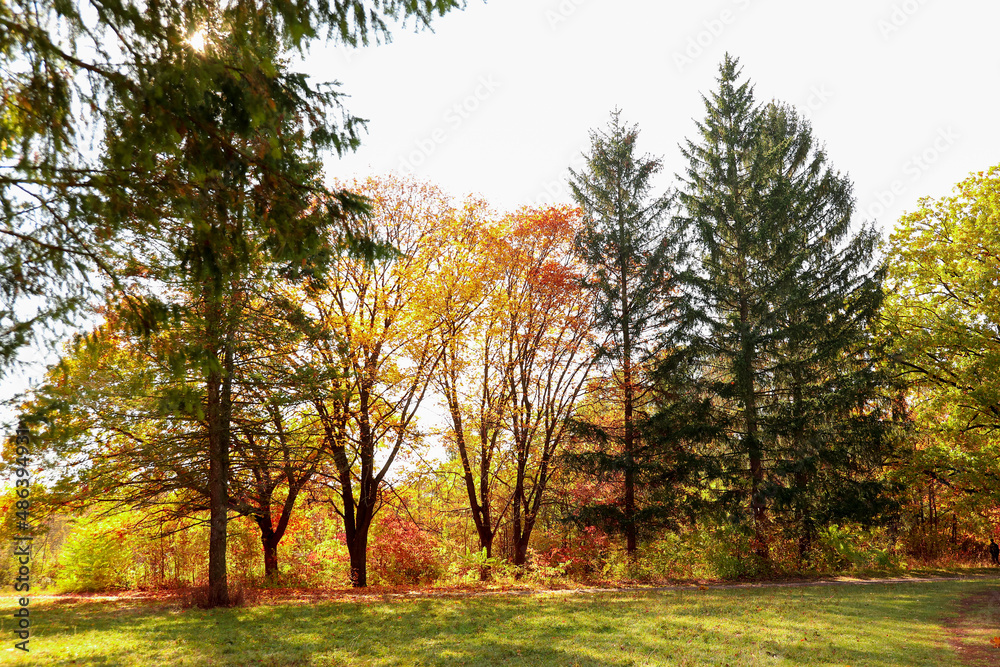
<point>932,515</point>
<point>518,542</point>
<point>757,504</point>
<point>630,538</point>
<point>358,515</point>
<point>803,519</point>
<point>334,427</point>
<point>758,508</point>
<point>218,410</point>
<point>629,435</point>
<point>480,507</point>
<point>367,495</point>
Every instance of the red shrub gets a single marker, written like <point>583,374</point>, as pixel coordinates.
<point>400,552</point>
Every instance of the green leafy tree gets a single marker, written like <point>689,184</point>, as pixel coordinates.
<point>631,260</point>
<point>229,188</point>
<point>123,430</point>
<point>942,323</point>
<point>944,305</point>
<point>783,306</point>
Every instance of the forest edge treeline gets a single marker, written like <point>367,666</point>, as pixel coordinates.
<point>720,366</point>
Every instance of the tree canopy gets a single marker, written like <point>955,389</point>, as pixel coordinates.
<point>67,73</point>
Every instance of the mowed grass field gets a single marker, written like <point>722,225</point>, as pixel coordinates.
<point>904,624</point>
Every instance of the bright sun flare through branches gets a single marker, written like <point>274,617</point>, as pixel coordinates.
<point>197,40</point>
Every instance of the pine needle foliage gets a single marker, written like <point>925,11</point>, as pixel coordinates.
<point>631,255</point>
<point>784,300</point>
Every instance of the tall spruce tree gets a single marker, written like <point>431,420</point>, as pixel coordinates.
<point>783,304</point>
<point>830,411</point>
<point>631,259</point>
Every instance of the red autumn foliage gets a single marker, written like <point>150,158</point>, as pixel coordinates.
<point>402,552</point>
<point>581,553</point>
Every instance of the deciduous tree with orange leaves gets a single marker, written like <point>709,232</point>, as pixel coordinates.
<point>516,344</point>
<point>374,345</point>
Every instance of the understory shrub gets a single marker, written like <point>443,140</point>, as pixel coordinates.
<point>728,553</point>
<point>400,552</point>
<point>92,558</point>
<point>580,555</point>
<point>843,547</point>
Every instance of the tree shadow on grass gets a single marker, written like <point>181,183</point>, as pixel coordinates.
<point>740,627</point>
<point>890,625</point>
<point>423,633</point>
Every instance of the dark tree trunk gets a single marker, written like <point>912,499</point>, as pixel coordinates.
<point>485,570</point>
<point>522,537</point>
<point>531,502</point>
<point>629,508</point>
<point>516,528</point>
<point>357,547</point>
<point>747,386</point>
<point>269,539</point>
<point>630,535</point>
<point>270,557</point>
<point>806,527</point>
<point>480,507</point>
<point>523,518</point>
<point>802,478</point>
<point>758,506</point>
<point>218,411</point>
<point>358,515</point>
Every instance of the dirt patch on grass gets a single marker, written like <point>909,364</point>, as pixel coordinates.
<point>974,629</point>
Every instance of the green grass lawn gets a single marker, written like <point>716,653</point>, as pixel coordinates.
<point>860,625</point>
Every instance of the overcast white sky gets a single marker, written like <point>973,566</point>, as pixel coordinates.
<point>500,98</point>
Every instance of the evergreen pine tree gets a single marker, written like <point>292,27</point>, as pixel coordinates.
<point>783,301</point>
<point>831,394</point>
<point>631,261</point>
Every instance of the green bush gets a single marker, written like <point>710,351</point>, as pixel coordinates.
<point>93,557</point>
<point>843,547</point>
<point>729,554</point>
<point>672,555</point>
